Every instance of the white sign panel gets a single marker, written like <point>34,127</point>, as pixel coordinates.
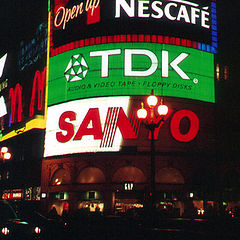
<point>89,125</point>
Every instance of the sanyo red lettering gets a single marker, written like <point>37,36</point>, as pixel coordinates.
<point>175,126</point>
<point>128,126</point>
<point>92,117</point>
<point>66,126</point>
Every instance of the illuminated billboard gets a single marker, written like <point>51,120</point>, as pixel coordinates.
<point>107,124</point>
<point>23,70</point>
<point>125,69</point>
<point>74,20</point>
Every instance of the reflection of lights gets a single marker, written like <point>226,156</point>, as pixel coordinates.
<point>58,181</point>
<point>5,231</point>
<point>43,195</point>
<point>201,211</point>
<point>37,230</point>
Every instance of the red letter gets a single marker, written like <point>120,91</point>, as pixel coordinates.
<point>96,130</point>
<point>193,129</point>
<point>15,96</point>
<point>39,83</point>
<point>66,126</point>
<point>116,117</point>
<point>125,126</point>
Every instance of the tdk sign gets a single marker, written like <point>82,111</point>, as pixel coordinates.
<point>149,55</point>
<point>77,67</point>
<point>175,10</point>
<point>126,69</point>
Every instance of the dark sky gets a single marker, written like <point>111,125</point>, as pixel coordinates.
<point>16,17</point>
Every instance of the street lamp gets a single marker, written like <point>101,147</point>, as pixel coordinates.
<point>142,113</point>
<point>4,154</point>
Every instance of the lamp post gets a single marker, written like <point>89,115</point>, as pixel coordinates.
<point>5,154</point>
<point>152,124</point>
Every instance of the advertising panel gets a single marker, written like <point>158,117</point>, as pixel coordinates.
<point>23,69</point>
<point>107,124</point>
<point>75,20</point>
<point>124,69</point>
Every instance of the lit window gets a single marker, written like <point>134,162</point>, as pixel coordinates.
<point>7,175</point>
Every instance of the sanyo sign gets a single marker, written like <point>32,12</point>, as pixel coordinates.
<point>175,10</point>
<point>105,124</point>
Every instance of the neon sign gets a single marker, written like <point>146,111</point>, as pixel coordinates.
<point>2,64</point>
<point>13,194</point>
<point>16,97</point>
<point>184,11</point>
<point>102,124</point>
<point>128,186</point>
<point>64,15</point>
<point>75,21</point>
<point>30,52</point>
<point>3,107</point>
<point>131,69</point>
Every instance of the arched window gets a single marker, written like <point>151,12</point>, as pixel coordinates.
<point>91,175</point>
<point>61,176</point>
<point>169,176</point>
<point>131,174</point>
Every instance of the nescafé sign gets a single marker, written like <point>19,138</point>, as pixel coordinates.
<point>125,69</point>
<point>75,20</point>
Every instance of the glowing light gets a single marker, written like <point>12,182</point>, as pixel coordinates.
<point>200,211</point>
<point>218,72</point>
<point>5,231</point>
<point>162,110</point>
<point>7,156</point>
<point>4,150</point>
<point>37,230</point>
<point>58,181</point>
<point>3,108</point>
<point>152,101</point>
<point>2,64</point>
<point>43,195</point>
<point>142,112</point>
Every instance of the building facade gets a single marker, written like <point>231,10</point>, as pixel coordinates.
<point>104,59</point>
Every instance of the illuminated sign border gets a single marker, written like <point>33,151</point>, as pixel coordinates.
<point>145,38</point>
<point>106,124</point>
<point>39,122</point>
<point>122,74</point>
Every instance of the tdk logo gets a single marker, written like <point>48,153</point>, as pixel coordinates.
<point>78,68</point>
